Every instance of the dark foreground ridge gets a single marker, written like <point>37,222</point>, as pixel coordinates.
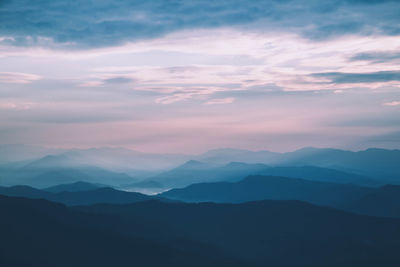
<point>42,233</point>
<point>154,233</point>
<point>100,195</point>
<point>383,201</point>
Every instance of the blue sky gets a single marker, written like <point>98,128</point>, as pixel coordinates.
<point>187,76</point>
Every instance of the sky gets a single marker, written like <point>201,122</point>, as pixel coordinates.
<point>188,76</point>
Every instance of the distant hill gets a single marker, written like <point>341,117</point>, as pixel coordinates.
<point>188,173</point>
<point>41,233</point>
<point>381,163</point>
<point>154,233</point>
<point>100,195</point>
<point>223,156</point>
<point>270,187</point>
<point>117,166</point>
<point>53,170</point>
<point>384,201</point>
<point>144,184</point>
<point>266,233</point>
<point>25,153</point>
<point>374,162</point>
<point>144,187</point>
<point>198,172</point>
<point>114,159</point>
<point>74,187</point>
<point>321,174</point>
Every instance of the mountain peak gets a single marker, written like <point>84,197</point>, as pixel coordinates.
<point>74,187</point>
<point>193,164</point>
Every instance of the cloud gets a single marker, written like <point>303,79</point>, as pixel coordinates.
<point>377,57</point>
<point>91,84</point>
<point>392,103</point>
<point>118,80</point>
<point>173,98</point>
<point>15,105</point>
<point>105,22</point>
<point>107,80</point>
<point>372,77</point>
<point>17,77</point>
<point>218,101</point>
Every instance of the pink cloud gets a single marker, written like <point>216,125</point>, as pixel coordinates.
<point>392,103</point>
<point>218,101</point>
<point>18,77</point>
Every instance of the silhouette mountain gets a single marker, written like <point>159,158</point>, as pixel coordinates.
<point>266,233</point>
<point>53,170</point>
<point>188,173</point>
<point>100,195</point>
<point>25,153</point>
<point>74,187</point>
<point>225,155</point>
<point>114,159</point>
<point>384,201</point>
<point>196,172</point>
<point>154,233</point>
<point>144,184</point>
<point>116,166</point>
<point>41,233</point>
<point>373,162</point>
<point>270,187</point>
<point>320,174</point>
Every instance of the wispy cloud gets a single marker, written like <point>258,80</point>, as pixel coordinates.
<point>377,57</point>
<point>8,105</point>
<point>104,23</point>
<point>218,101</point>
<point>392,103</point>
<point>371,77</point>
<point>166,72</point>
<point>17,77</point>
<point>118,80</point>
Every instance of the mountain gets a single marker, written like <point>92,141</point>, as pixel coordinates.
<point>116,166</point>
<point>266,233</point>
<point>270,187</point>
<point>384,201</point>
<point>41,233</point>
<point>24,153</point>
<point>197,172</point>
<point>74,187</point>
<point>183,175</point>
<point>373,162</point>
<point>24,191</point>
<point>225,155</point>
<point>381,163</point>
<point>53,170</point>
<point>147,187</point>
<point>321,174</point>
<point>143,184</point>
<point>100,195</point>
<point>111,158</point>
<point>154,233</point>
<point>111,166</point>
<point>193,165</point>
<point>126,160</point>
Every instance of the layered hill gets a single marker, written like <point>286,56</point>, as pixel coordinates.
<point>42,233</point>
<point>99,195</point>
